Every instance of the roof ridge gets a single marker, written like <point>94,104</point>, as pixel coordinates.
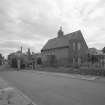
<point>66,35</point>
<point>73,32</point>
<point>61,41</point>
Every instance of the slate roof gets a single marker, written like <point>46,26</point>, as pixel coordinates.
<point>62,41</point>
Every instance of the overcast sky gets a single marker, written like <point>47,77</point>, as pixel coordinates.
<point>30,23</point>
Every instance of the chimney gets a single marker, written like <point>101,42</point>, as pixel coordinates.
<point>29,53</point>
<point>60,32</point>
<point>21,49</point>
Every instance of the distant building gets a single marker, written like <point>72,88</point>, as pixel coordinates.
<point>94,51</point>
<point>25,59</point>
<point>37,57</point>
<point>69,49</point>
<point>96,55</point>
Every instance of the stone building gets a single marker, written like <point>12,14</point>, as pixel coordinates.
<point>69,49</point>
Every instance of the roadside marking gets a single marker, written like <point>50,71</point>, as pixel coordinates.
<point>26,97</point>
<point>9,88</point>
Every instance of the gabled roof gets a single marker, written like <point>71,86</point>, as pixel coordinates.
<point>62,41</point>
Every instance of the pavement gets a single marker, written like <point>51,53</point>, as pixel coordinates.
<point>100,79</point>
<point>73,76</point>
<point>12,96</point>
<point>65,75</point>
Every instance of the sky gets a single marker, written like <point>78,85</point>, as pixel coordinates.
<point>30,23</point>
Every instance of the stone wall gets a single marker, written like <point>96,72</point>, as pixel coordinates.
<point>61,56</point>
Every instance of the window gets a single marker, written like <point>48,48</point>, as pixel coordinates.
<point>74,45</point>
<point>74,60</point>
<point>79,60</point>
<point>79,46</point>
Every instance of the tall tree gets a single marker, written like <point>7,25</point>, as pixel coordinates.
<point>1,59</point>
<point>0,56</point>
<point>103,50</point>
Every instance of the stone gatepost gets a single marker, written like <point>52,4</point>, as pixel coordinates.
<point>18,64</point>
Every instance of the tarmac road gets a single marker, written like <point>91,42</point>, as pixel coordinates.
<point>48,89</point>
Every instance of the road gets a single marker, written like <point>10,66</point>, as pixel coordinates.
<point>47,89</point>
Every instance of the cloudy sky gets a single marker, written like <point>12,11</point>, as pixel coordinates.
<point>30,23</point>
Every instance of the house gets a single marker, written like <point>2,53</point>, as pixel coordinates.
<point>96,55</point>
<point>94,51</point>
<point>20,59</point>
<point>69,49</point>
